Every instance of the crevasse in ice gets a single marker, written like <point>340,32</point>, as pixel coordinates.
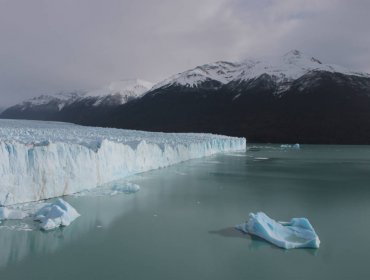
<point>298,233</point>
<point>40,160</point>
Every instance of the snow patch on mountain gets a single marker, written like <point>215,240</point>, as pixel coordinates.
<point>220,71</point>
<point>124,90</point>
<point>60,100</point>
<point>290,66</point>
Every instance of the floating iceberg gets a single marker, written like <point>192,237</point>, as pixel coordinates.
<point>298,233</point>
<point>288,146</point>
<point>57,214</point>
<point>40,160</point>
<point>114,188</point>
<point>127,188</point>
<point>260,158</point>
<point>11,214</point>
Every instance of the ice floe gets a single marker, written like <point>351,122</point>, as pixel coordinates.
<point>114,188</point>
<point>11,214</point>
<point>56,214</point>
<point>298,233</point>
<point>288,146</point>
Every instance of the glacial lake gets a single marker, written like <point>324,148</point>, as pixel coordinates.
<point>180,225</point>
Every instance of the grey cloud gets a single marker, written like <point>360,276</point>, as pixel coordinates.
<point>49,45</point>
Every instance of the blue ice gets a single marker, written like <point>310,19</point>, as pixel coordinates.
<point>298,233</point>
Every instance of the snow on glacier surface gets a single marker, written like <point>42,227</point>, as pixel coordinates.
<point>298,233</point>
<point>40,160</point>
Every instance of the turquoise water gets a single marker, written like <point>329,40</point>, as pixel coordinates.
<point>180,224</point>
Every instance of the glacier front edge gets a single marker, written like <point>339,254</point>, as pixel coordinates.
<point>40,160</point>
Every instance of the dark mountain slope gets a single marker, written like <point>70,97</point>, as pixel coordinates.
<point>294,99</point>
<point>334,108</point>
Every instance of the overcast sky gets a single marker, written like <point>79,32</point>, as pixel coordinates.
<point>47,46</point>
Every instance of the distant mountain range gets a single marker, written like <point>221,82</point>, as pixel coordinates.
<point>54,107</point>
<point>290,99</point>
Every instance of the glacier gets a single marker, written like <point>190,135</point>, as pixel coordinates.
<point>298,233</point>
<point>41,160</point>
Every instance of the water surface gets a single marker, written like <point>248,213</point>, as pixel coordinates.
<point>180,224</point>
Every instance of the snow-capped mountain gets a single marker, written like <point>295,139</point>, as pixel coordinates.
<point>116,93</point>
<point>283,70</point>
<point>59,100</point>
<point>293,98</point>
<point>52,106</point>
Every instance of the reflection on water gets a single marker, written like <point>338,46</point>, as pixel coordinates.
<point>255,242</point>
<point>230,232</point>
<point>180,225</point>
<point>19,239</point>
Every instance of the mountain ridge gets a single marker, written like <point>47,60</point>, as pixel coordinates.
<point>288,67</point>
<point>295,98</point>
<point>124,90</point>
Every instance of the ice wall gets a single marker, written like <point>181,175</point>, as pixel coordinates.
<point>40,160</point>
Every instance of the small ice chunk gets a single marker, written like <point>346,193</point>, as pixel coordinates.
<point>57,214</point>
<point>288,146</point>
<point>126,188</point>
<point>111,189</point>
<point>298,233</point>
<point>11,214</point>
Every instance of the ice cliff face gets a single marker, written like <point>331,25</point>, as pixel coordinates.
<point>40,160</point>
